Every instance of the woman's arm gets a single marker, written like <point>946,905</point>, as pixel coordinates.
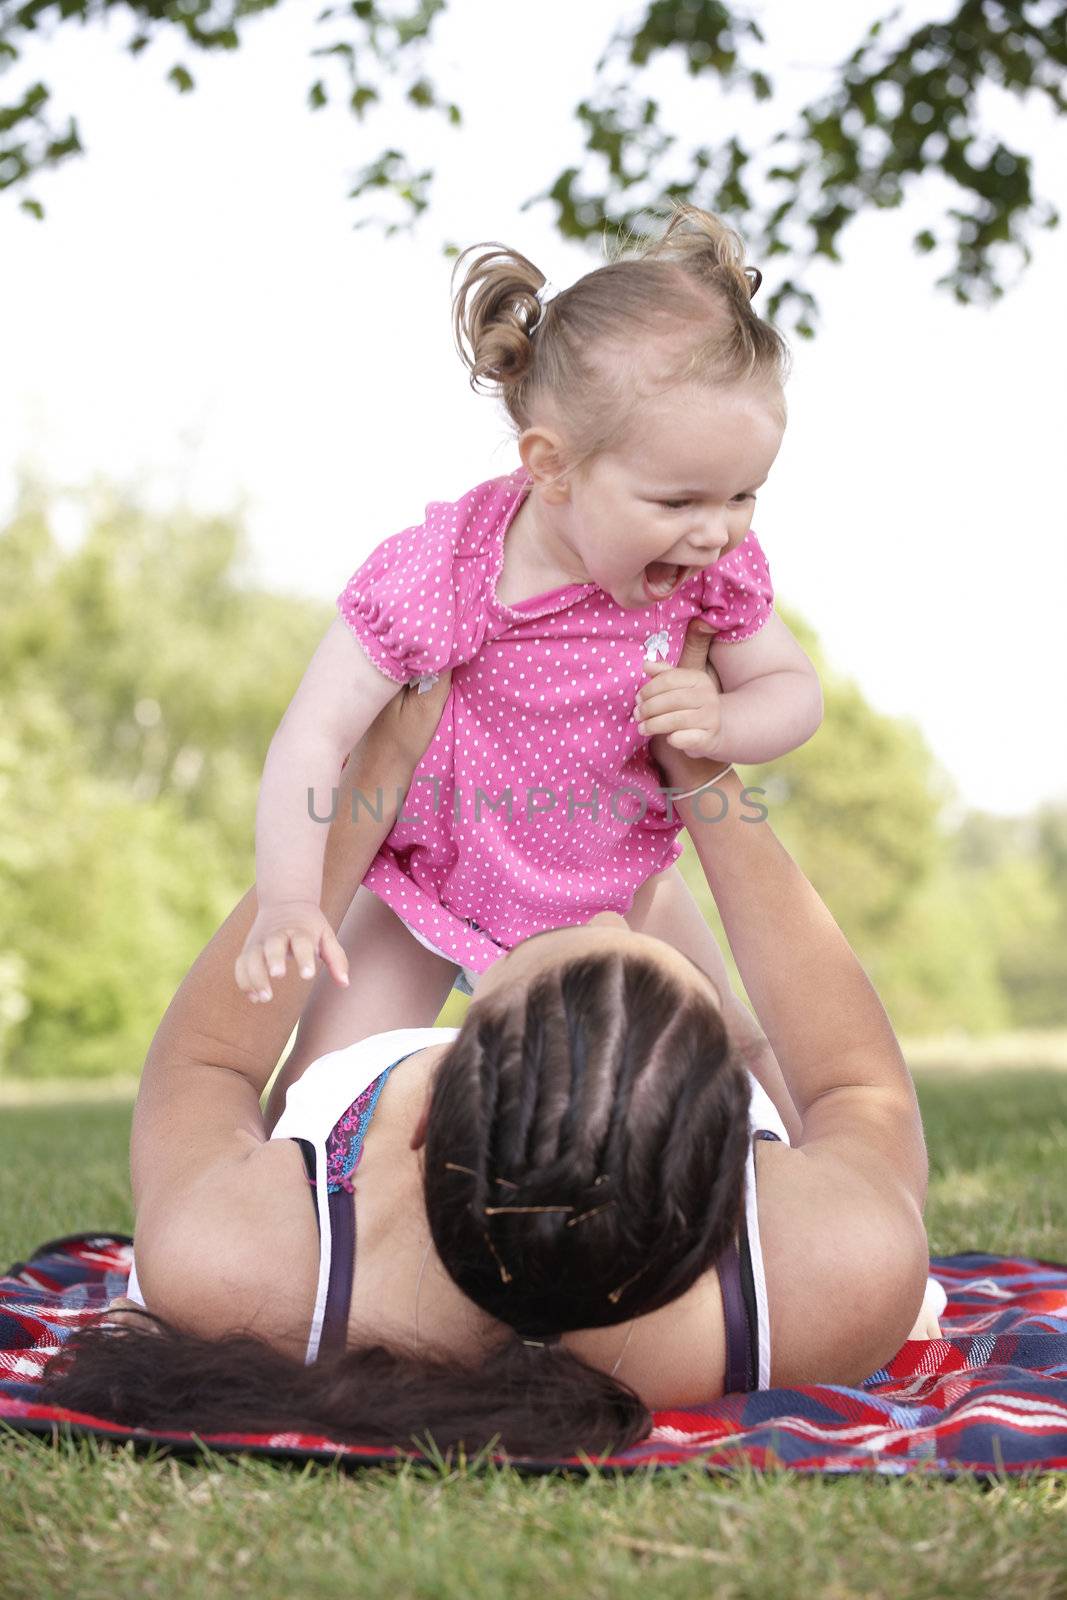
<point>822,1018</point>
<point>213,1053</point>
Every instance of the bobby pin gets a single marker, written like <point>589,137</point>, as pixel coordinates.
<point>582,1215</point>
<point>452,1166</point>
<point>616,1294</point>
<point>499,1211</point>
<point>505,1275</point>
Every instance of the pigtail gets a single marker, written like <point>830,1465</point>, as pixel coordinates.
<point>708,247</point>
<point>740,345</point>
<point>493,314</point>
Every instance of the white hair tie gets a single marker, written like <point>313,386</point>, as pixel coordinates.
<point>548,291</point>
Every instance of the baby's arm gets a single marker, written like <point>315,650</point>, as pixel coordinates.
<point>338,698</point>
<point>771,700</point>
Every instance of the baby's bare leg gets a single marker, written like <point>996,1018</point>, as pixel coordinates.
<point>664,908</point>
<point>393,982</point>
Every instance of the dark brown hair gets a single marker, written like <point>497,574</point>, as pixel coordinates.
<point>584,1164</point>
<point>584,357</point>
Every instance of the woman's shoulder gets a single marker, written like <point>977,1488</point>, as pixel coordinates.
<point>844,1281</point>
<point>241,1252</point>
<point>845,1261</point>
<point>241,1247</point>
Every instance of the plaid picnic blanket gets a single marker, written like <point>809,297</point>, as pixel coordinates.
<point>989,1398</point>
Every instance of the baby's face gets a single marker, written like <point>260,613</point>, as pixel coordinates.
<point>681,493</point>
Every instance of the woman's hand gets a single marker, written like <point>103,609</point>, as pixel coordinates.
<point>682,769</point>
<point>396,740</point>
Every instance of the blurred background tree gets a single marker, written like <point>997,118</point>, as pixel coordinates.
<point>907,103</point>
<point>141,684</point>
<point>142,678</point>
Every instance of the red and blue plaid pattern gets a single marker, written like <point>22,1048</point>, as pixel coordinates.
<point>989,1398</point>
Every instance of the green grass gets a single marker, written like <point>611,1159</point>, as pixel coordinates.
<point>86,1520</point>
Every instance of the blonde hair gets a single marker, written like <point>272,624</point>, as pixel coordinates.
<point>584,353</point>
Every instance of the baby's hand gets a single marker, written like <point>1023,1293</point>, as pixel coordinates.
<point>296,925</point>
<point>682,703</point>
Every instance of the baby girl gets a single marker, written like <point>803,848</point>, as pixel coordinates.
<point>648,408</point>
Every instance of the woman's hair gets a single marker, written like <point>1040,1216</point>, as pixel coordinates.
<point>584,1164</point>
<point>585,355</point>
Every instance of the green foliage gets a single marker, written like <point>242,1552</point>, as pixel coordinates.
<point>141,684</point>
<point>1015,874</point>
<point>938,969</point>
<point>106,901</point>
<point>904,104</point>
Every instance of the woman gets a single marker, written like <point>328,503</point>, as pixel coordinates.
<point>564,1218</point>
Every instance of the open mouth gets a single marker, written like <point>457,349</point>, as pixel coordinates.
<point>664,577</point>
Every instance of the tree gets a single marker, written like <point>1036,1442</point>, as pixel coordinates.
<point>141,681</point>
<point>905,104</point>
<point>1014,872</point>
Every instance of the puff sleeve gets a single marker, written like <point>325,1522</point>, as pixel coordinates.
<point>738,596</point>
<point>403,604</point>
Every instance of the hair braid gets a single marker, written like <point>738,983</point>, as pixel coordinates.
<point>631,1130</point>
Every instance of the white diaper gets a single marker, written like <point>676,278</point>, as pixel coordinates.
<point>466,978</point>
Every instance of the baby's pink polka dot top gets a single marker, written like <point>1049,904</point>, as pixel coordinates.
<point>536,803</point>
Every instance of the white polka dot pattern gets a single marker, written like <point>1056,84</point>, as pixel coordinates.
<point>540,705</point>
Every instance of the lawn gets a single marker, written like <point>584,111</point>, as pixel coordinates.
<point>93,1522</point>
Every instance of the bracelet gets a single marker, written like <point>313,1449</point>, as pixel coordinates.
<point>701,787</point>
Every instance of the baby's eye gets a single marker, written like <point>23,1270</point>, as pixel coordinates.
<point>739,499</point>
<point>675,504</point>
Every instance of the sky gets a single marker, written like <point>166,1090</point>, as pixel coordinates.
<point>198,319</point>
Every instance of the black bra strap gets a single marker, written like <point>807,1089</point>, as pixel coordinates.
<point>738,1286</point>
<point>342,1209</point>
<point>738,1338</point>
